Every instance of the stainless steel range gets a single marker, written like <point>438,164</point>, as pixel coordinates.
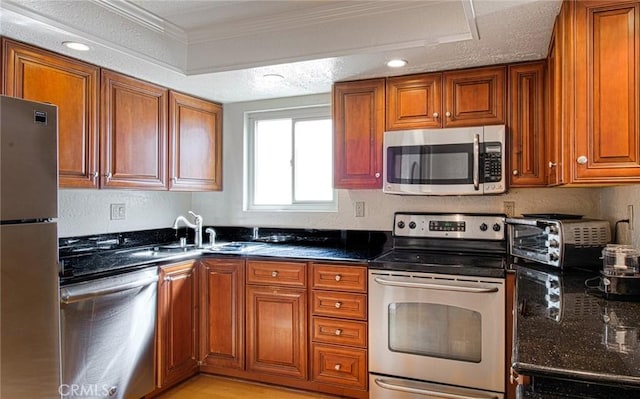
<point>437,309</point>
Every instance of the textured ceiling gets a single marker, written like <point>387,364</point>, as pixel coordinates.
<point>220,50</point>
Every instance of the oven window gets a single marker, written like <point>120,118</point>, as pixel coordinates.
<point>435,330</point>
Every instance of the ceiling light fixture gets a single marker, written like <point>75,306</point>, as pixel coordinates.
<point>76,46</point>
<point>397,63</point>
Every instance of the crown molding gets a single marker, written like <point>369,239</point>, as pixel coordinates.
<point>144,18</point>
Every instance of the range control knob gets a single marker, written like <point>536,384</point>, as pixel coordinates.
<point>554,257</point>
<point>401,224</point>
<point>412,225</point>
<point>554,243</point>
<point>483,227</point>
<point>497,227</point>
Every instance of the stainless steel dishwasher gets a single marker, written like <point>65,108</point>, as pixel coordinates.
<point>108,328</point>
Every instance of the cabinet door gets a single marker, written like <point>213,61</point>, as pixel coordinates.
<point>607,92</point>
<point>222,331</point>
<point>39,75</point>
<point>527,125</point>
<point>358,128</point>
<point>195,144</point>
<point>474,97</point>
<point>556,86</point>
<point>133,133</point>
<point>177,323</point>
<point>414,101</point>
<point>277,331</point>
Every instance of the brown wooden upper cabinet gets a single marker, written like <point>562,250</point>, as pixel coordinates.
<point>527,124</point>
<point>195,144</point>
<point>39,75</point>
<point>469,97</point>
<point>606,65</point>
<point>133,133</point>
<point>358,127</point>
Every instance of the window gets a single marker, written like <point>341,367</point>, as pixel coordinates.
<point>290,160</point>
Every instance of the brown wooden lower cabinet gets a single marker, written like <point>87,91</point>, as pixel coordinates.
<point>257,320</point>
<point>277,331</point>
<point>339,365</point>
<point>222,315</point>
<point>177,324</point>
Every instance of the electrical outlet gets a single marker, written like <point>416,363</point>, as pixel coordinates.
<point>509,208</point>
<point>359,209</point>
<point>118,212</point>
<point>630,216</point>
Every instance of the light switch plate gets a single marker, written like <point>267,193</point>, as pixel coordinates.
<point>118,211</point>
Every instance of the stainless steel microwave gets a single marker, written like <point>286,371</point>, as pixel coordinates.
<point>454,161</point>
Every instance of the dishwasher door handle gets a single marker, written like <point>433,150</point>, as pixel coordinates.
<point>433,286</point>
<point>77,294</point>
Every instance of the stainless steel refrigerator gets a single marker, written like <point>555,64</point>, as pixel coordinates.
<point>29,307</point>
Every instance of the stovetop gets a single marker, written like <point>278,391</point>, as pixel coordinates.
<point>445,243</point>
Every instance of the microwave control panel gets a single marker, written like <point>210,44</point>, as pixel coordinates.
<point>492,162</point>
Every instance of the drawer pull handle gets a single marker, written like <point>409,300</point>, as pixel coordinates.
<point>338,305</point>
<point>337,367</point>
<point>338,277</point>
<point>274,273</point>
<point>338,331</point>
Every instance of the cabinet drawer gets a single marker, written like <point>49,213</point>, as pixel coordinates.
<point>334,277</point>
<point>340,366</point>
<point>340,332</point>
<point>276,273</point>
<point>340,304</point>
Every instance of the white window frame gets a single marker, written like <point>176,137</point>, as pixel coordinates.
<point>296,114</point>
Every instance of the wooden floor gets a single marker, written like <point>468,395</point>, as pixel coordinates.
<point>213,387</point>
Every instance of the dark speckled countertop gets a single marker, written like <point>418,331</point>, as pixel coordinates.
<point>572,341</point>
<point>101,255</point>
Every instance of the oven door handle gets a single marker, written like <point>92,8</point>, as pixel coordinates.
<point>427,392</point>
<point>432,286</point>
<point>70,295</point>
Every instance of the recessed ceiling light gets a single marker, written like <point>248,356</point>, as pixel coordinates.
<point>76,46</point>
<point>397,63</point>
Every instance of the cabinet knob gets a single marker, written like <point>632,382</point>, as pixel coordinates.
<point>338,277</point>
<point>338,305</point>
<point>96,175</point>
<point>448,114</point>
<point>274,273</point>
<point>337,367</point>
<point>174,179</point>
<point>552,164</point>
<point>582,160</point>
<point>377,175</point>
<point>515,172</point>
<point>436,115</point>
<point>338,331</point>
<point>108,176</point>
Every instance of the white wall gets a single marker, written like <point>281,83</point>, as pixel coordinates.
<point>614,208</point>
<point>84,212</point>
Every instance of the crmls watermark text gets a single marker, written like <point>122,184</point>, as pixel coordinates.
<point>84,390</point>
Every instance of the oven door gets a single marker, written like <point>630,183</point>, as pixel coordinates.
<point>438,328</point>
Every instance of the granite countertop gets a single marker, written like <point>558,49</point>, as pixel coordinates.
<point>567,332</point>
<point>101,255</point>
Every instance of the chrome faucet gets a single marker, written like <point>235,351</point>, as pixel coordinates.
<point>212,236</point>
<point>197,226</point>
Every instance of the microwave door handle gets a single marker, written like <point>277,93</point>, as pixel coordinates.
<point>433,286</point>
<point>476,162</point>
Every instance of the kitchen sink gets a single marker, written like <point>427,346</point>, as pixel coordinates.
<point>234,247</point>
